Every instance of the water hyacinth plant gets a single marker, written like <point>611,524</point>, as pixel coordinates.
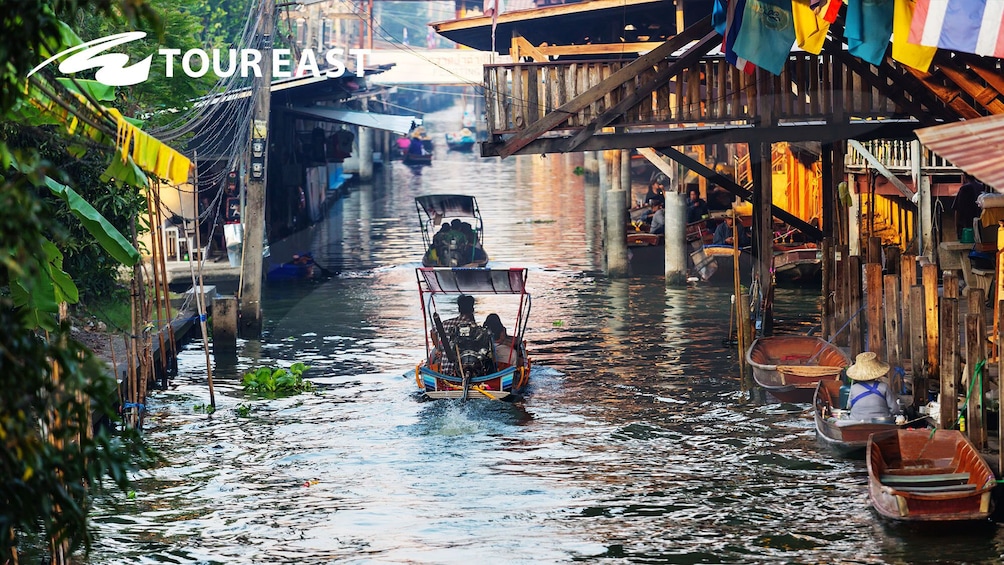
<point>277,381</point>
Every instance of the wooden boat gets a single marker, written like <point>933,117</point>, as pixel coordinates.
<point>788,367</point>
<point>847,438</point>
<point>462,140</point>
<point>416,159</point>
<point>458,247</point>
<point>478,374</point>
<point>928,475</point>
<point>799,265</point>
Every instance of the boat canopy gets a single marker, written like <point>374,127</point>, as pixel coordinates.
<point>447,205</point>
<point>474,281</point>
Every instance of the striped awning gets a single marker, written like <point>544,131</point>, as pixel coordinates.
<point>975,146</point>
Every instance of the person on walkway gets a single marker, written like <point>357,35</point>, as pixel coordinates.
<point>697,208</point>
<point>965,205</point>
<point>870,397</point>
<point>725,230</point>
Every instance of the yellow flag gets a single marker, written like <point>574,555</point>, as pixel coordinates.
<point>810,28</point>
<point>910,54</point>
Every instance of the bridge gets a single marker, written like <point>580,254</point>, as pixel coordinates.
<point>434,67</point>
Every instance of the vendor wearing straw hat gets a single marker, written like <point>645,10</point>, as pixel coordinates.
<point>870,398</point>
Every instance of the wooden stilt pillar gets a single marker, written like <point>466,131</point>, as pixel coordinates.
<point>826,317</point>
<point>930,285</point>
<point>918,345</point>
<point>976,334</point>
<point>856,336</point>
<point>949,340</point>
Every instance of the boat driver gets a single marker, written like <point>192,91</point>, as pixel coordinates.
<point>465,311</point>
<point>870,398</point>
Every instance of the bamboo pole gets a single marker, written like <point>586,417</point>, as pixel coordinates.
<point>158,274</point>
<point>166,289</point>
<point>200,299</point>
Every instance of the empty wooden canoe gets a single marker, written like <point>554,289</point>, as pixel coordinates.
<point>788,367</point>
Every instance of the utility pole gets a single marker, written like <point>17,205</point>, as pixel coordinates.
<point>254,222</point>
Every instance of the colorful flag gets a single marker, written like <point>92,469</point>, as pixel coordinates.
<point>733,23</point>
<point>767,34</point>
<point>719,15</point>
<point>868,29</point>
<point>970,26</point>
<point>828,9</point>
<point>810,27</point>
<point>911,54</point>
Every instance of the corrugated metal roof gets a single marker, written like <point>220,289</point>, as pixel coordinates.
<point>975,146</point>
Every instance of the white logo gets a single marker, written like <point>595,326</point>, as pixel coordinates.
<point>113,69</point>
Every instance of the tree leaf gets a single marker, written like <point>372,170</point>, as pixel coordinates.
<point>110,239</point>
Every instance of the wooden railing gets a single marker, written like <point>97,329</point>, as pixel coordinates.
<point>895,155</point>
<point>811,88</point>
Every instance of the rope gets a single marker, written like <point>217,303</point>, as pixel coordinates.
<point>842,328</point>
<point>977,375</point>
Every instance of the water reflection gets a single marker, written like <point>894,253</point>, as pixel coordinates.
<point>633,444</point>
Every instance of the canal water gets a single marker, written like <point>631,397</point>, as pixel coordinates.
<point>634,444</point>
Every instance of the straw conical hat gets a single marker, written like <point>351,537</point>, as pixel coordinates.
<point>867,367</point>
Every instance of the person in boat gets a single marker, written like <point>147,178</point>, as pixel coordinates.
<point>697,208</point>
<point>724,231</point>
<point>464,317</point>
<point>870,398</point>
<point>504,353</point>
<point>658,221</point>
<point>655,189</point>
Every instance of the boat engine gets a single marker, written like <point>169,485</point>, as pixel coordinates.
<point>475,345</point>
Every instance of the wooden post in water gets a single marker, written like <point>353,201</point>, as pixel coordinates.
<point>873,297</point>
<point>874,254</point>
<point>949,366</point>
<point>856,335</point>
<point>976,332</point>
<point>893,318</point>
<point>892,260</point>
<point>907,278</point>
<point>843,295</point>
<point>918,345</point>
<point>930,285</point>
<point>1000,383</point>
<point>826,317</point>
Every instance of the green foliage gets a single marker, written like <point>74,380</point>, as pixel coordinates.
<point>243,410</point>
<point>276,382</point>
<point>204,408</point>
<point>56,465</point>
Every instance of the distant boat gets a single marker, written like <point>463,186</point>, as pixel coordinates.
<point>461,245</point>
<point>798,265</point>
<point>928,475</point>
<point>788,367</point>
<point>462,140</point>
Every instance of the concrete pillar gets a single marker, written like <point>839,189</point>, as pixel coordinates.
<point>590,163</point>
<point>676,239</point>
<point>616,235</point>
<point>225,323</point>
<point>365,154</point>
<point>626,176</point>
<point>615,171</point>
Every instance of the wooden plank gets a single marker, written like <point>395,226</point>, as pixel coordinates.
<point>976,337</point>
<point>985,96</point>
<point>1000,382</point>
<point>976,300</point>
<point>826,316</point>
<point>907,279</point>
<point>893,317</point>
<point>918,339</point>
<point>840,298</point>
<point>518,98</point>
<point>614,111</point>
<point>929,274</point>
<point>948,370</point>
<point>874,251</point>
<point>532,94</point>
<point>925,480</point>
<point>873,302</point>
<point>596,92</point>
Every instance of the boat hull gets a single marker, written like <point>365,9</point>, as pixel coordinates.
<point>789,367</point>
<point>798,267</point>
<point>928,476</point>
<point>479,258</point>
<point>500,385</point>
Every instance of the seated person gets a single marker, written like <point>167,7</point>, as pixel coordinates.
<point>870,398</point>
<point>697,208</point>
<point>655,189</point>
<point>658,220</point>
<point>724,231</point>
<point>505,355</point>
